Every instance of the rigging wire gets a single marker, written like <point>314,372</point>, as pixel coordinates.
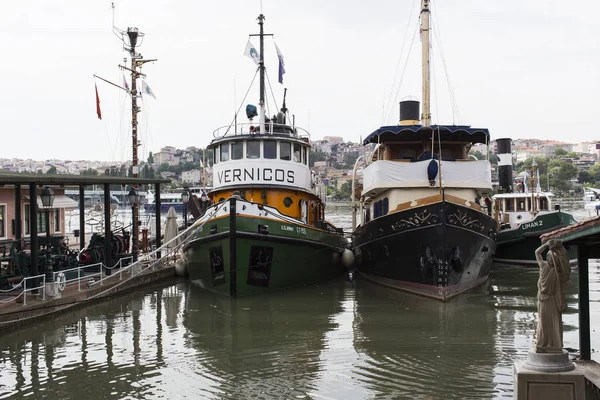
<point>389,113</point>
<point>453,103</point>
<point>390,102</point>
<point>238,111</point>
<point>272,94</point>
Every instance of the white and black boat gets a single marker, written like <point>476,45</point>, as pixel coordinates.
<point>422,228</point>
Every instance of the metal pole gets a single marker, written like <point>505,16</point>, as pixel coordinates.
<point>33,234</point>
<point>157,217</point>
<point>185,224</point>
<point>134,234</point>
<point>18,217</point>
<point>134,149</point>
<point>107,233</point>
<point>49,270</point>
<point>584,303</point>
<point>81,217</point>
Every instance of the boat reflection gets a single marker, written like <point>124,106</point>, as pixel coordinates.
<point>99,351</point>
<point>266,345</point>
<point>416,347</point>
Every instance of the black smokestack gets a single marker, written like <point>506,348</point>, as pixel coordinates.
<point>504,153</point>
<point>409,112</point>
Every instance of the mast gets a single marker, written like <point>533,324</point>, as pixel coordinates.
<point>426,116</point>
<point>136,63</point>
<point>261,66</point>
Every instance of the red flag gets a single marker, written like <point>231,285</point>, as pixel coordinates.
<point>98,103</point>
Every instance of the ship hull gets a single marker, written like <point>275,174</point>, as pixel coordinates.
<point>517,246</point>
<point>439,250</point>
<point>247,255</point>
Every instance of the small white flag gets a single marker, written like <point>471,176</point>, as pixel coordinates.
<point>146,90</point>
<point>251,52</point>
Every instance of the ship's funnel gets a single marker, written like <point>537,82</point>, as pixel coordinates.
<point>504,165</point>
<point>409,112</point>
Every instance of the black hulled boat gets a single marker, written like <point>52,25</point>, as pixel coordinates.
<point>422,228</point>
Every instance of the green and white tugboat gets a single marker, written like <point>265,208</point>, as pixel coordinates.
<point>266,227</point>
<point>523,215</point>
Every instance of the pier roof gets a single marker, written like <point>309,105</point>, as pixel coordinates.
<point>74,180</point>
<point>586,232</point>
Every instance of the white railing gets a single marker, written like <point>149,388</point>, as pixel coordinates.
<point>23,283</point>
<point>169,251</point>
<point>254,128</point>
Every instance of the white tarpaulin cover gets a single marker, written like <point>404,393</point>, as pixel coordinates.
<point>458,174</point>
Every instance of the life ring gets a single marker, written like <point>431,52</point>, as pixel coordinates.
<point>61,281</point>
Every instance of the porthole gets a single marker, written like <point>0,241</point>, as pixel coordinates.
<point>222,199</point>
<point>519,216</point>
<point>287,201</point>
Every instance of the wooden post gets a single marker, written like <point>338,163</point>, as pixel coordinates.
<point>584,303</point>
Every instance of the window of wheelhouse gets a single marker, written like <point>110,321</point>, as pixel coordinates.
<point>297,156</point>
<point>252,149</point>
<point>285,150</point>
<point>56,220</point>
<point>529,208</point>
<point>224,152</point>
<point>509,205</point>
<point>237,150</point>
<point>304,155</point>
<point>215,154</point>
<point>543,203</point>
<point>521,204</point>
<point>270,149</point>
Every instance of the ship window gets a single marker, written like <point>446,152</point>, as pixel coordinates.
<point>304,155</point>
<point>225,152</point>
<point>386,206</point>
<point>509,205</point>
<point>543,203</point>
<point>521,204</point>
<point>270,149</point>
<point>529,205</point>
<point>237,150</point>
<point>287,202</point>
<point>252,149</point>
<point>297,153</point>
<point>215,158</point>
<point>368,215</point>
<point>285,150</point>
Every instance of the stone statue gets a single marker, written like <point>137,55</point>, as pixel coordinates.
<point>555,273</point>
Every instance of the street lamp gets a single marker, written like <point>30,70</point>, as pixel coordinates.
<point>185,198</point>
<point>133,200</point>
<point>47,196</point>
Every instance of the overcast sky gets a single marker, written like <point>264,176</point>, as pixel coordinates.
<point>520,68</point>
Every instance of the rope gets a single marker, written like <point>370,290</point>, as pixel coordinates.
<point>402,76</point>
<point>390,103</point>
<point>453,102</point>
<point>272,94</point>
<point>238,111</point>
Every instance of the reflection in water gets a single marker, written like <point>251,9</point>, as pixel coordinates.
<point>260,345</point>
<point>339,340</point>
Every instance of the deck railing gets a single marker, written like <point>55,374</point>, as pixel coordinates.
<point>254,128</point>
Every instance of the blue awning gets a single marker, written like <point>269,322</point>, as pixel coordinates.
<point>448,133</point>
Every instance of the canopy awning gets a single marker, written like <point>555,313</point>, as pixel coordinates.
<point>450,133</point>
<point>60,201</point>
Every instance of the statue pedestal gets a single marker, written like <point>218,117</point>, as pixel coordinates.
<point>548,376</point>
